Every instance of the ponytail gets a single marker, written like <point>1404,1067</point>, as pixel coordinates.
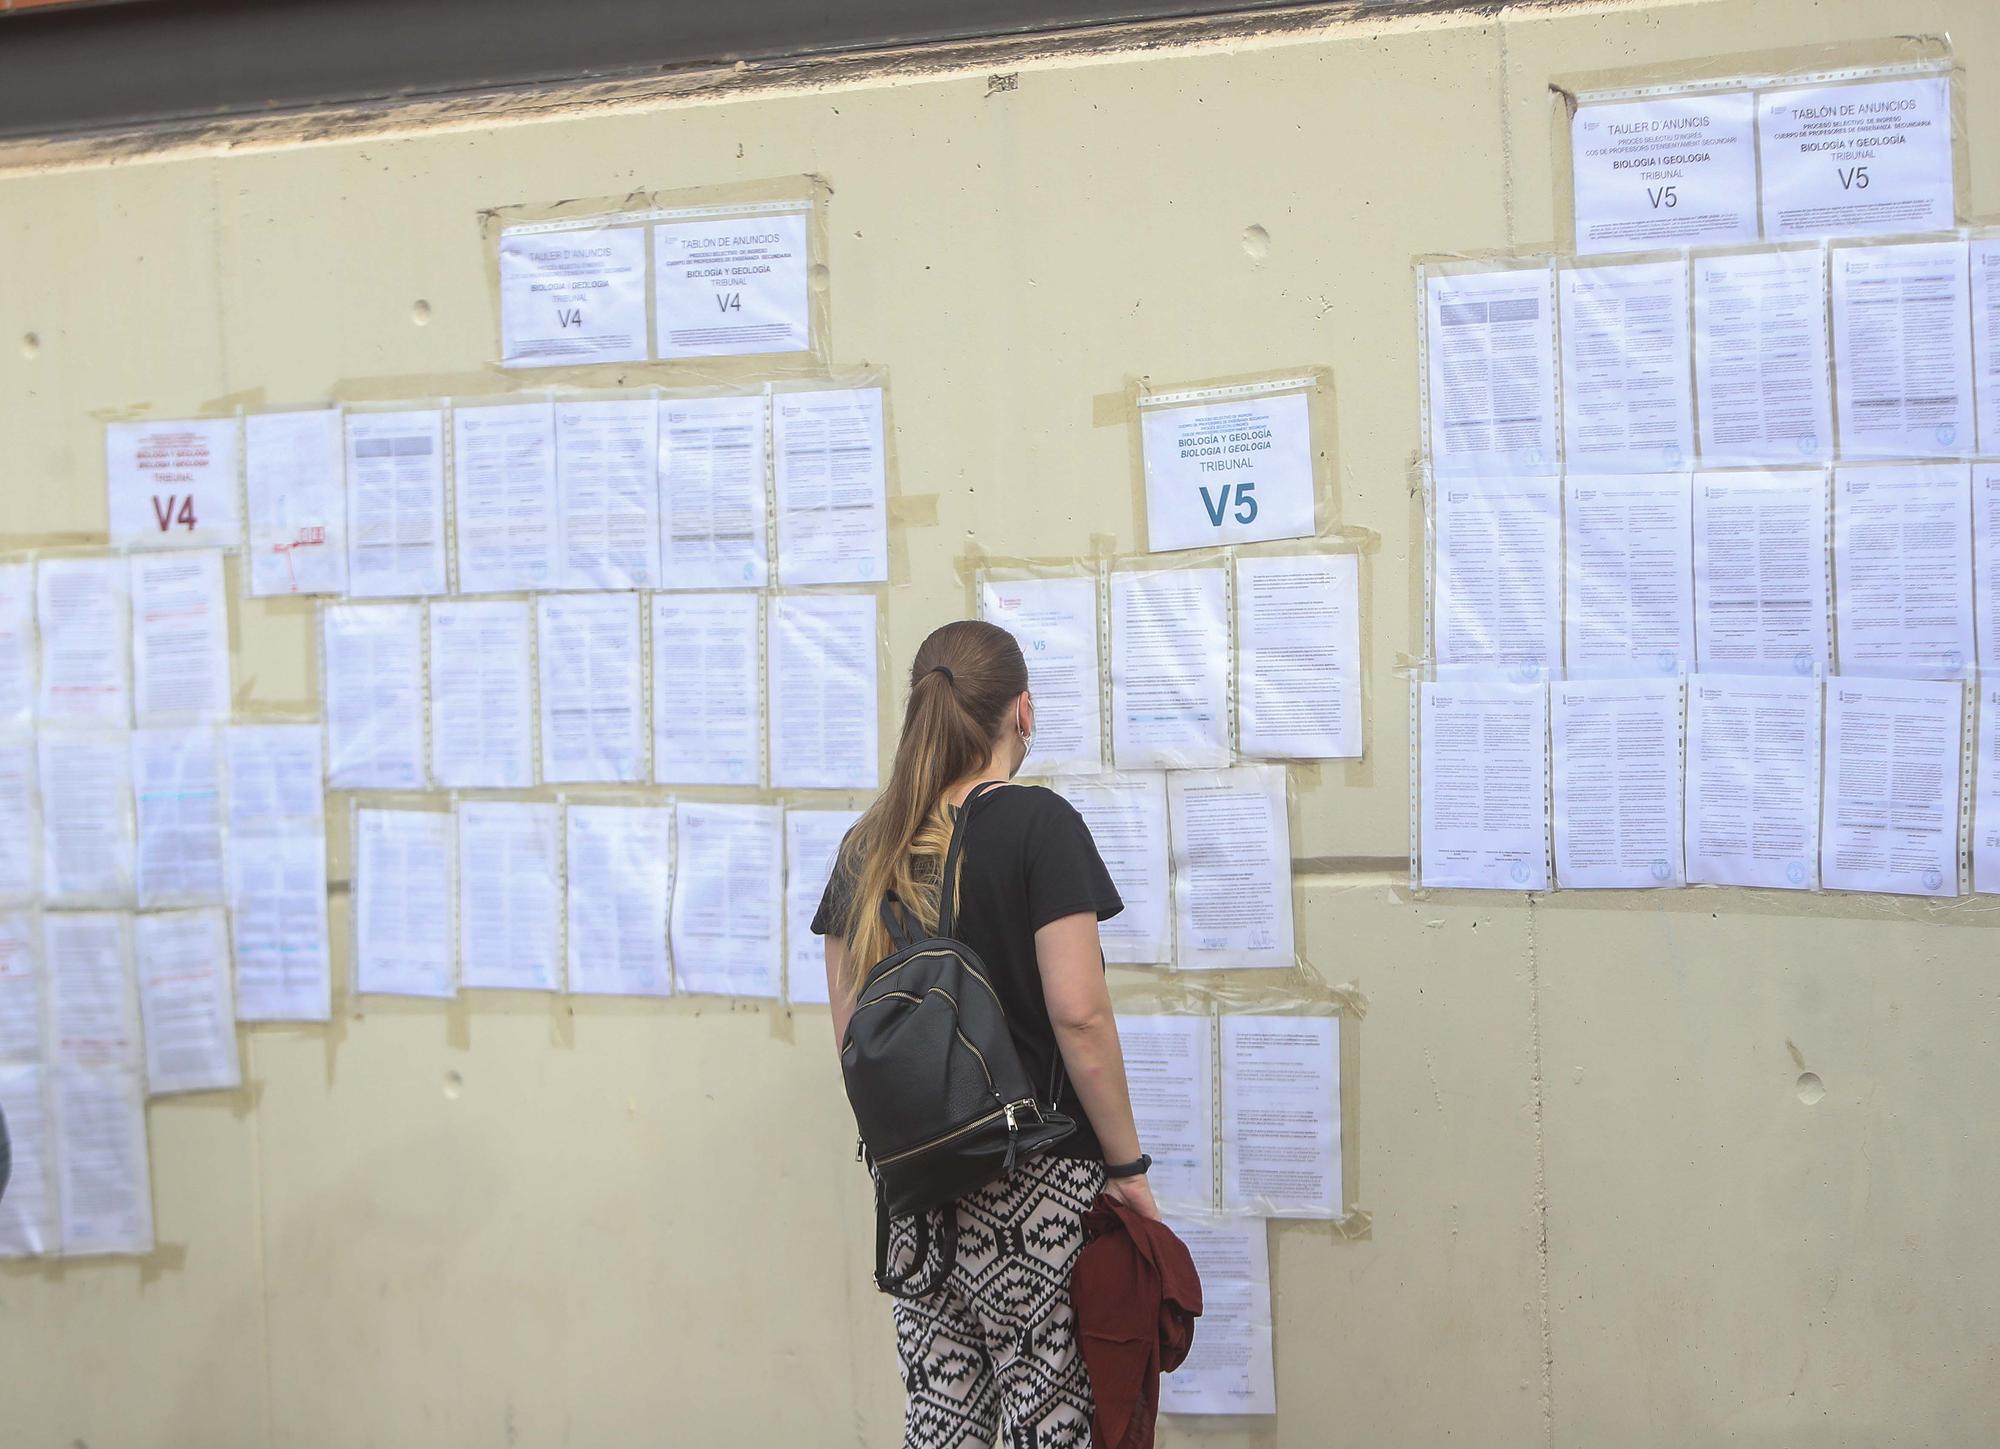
<point>965,678</point>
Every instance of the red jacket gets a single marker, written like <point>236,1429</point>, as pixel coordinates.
<point>1136,1296</point>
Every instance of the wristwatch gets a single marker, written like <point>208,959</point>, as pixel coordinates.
<point>1135,1168</point>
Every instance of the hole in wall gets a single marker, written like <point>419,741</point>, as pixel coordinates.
<point>421,313</point>
<point>31,345</point>
<point>1811,1088</point>
<point>1256,243</point>
<point>454,1086</point>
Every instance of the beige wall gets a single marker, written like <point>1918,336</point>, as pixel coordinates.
<point>1602,1214</point>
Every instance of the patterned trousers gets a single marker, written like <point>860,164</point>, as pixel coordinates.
<point>995,1345</point>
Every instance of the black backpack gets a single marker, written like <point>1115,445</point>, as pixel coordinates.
<point>942,1102</point>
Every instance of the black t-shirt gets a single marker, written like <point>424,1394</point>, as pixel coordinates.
<point>1028,860</point>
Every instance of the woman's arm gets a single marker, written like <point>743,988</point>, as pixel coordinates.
<point>1079,1002</point>
<point>836,988</point>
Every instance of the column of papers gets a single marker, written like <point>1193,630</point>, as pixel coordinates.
<point>504,477</point>
<point>403,900</point>
<point>509,894</point>
<point>87,828</point>
<point>298,502</point>
<point>1127,818</point>
<point>277,873</point>
<point>177,795</point>
<point>593,715</point>
<point>482,694</point>
<point>620,879</point>
<point>1902,562</point>
<point>1902,351</point>
<point>608,489</point>
<point>395,503</point>
<point>1760,358</point>
<point>184,998</point>
<point>1055,623</point>
<point>708,728</point>
<point>1169,1068</point>
<point>1752,781</point>
<point>1483,785</point>
<point>1626,404</point>
<point>1491,351</point>
<point>82,612</point>
<point>1281,1116</point>
<point>372,656</point>
<point>1760,573</point>
<point>1497,601</point>
<point>1616,746</point>
<point>729,905</point>
<point>1628,576</point>
<point>712,468</point>
<point>1890,818</point>
<point>1298,657</point>
<point>180,638</point>
<point>1169,669</point>
<point>831,487</point>
<point>1232,867</point>
<point>823,690</point>
<point>812,840</point>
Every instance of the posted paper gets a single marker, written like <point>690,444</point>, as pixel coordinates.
<point>1676,170</point>
<point>1232,469</point>
<point>708,720</point>
<point>713,513</point>
<point>1127,818</point>
<point>184,998</point>
<point>1760,573</point>
<point>509,894</point>
<point>93,995</point>
<point>1753,781</point>
<point>1890,819</point>
<point>812,840</point>
<point>172,484</point>
<point>1055,623</point>
<point>729,905</point>
<point>372,656</point>
<point>277,873</point>
<point>104,1182</point>
<point>1628,576</point>
<point>1169,669</point>
<point>297,486</point>
<point>620,878</point>
<point>608,490</point>
<point>1497,601</point>
<point>1298,657</point>
<point>831,486</point>
<point>734,286</point>
<point>87,827</point>
<point>1483,786</point>
<point>1169,1068</point>
<point>1985,282</point>
<point>570,296</point>
<point>1902,351</point>
<point>1616,748</point>
<point>28,1226</point>
<point>180,638</point>
<point>1986,799</point>
<point>1627,405</point>
<point>823,692</point>
<point>82,613</point>
<point>1281,1116</point>
<point>20,820</point>
<point>482,694</point>
<point>1491,345</point>
<point>1232,867</point>
<point>395,503</point>
<point>593,716</point>
<point>504,491</point>
<point>177,792</point>
<point>1762,386</point>
<point>1844,159</point>
<point>17,643</point>
<point>1228,1369</point>
<point>403,898</point>
<point>1902,565</point>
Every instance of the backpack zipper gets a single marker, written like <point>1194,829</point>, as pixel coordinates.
<point>976,976</point>
<point>1007,1111</point>
<point>991,1086</point>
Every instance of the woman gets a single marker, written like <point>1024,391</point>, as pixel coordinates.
<point>996,1343</point>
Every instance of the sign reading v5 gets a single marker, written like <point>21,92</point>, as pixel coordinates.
<point>1246,506</point>
<point>1228,465</point>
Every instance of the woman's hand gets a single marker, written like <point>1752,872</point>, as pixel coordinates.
<point>1135,1193</point>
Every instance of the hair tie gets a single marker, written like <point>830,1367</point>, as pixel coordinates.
<point>949,678</point>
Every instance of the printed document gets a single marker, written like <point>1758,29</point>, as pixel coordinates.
<point>1986,799</point>
<point>172,484</point>
<point>1760,573</point>
<point>1985,284</point>
<point>1127,818</point>
<point>713,512</point>
<point>734,286</point>
<point>831,485</point>
<point>86,799</point>
<point>28,1226</point>
<point>184,998</point>
<point>708,719</point>
<point>812,840</point>
<point>23,1018</point>
<point>403,899</point>
<point>1169,1067</point>
<point>729,905</point>
<point>1483,785</point>
<point>277,873</point>
<point>1298,657</point>
<point>1902,566</point>
<point>1762,386</point>
<point>1497,602</point>
<point>297,487</point>
<point>593,716</point>
<point>93,995</point>
<point>482,694</point>
<point>1281,1116</point>
<point>372,656</point>
<point>83,615</point>
<point>1616,746</point>
<point>1986,563</point>
<point>1228,1369</point>
<point>1628,576</point>
<point>1677,170</point>
<point>17,643</point>
<point>395,503</point>
<point>1491,344</point>
<point>20,820</point>
<point>104,1181</point>
<point>1232,867</point>
<point>1627,406</point>
<point>509,895</point>
<point>1839,160</point>
<point>1055,623</point>
<point>504,487</point>
<point>1902,351</point>
<point>1231,469</point>
<point>1752,781</point>
<point>608,487</point>
<point>180,638</point>
<point>572,295</point>
<point>1169,669</point>
<point>822,684</point>
<point>620,877</point>
<point>177,792</point>
<point>1890,819</point>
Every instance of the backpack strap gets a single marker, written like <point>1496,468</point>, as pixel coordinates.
<point>900,924</point>
<point>947,906</point>
<point>898,1284</point>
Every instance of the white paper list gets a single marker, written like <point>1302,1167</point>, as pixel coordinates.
<point>395,503</point>
<point>403,899</point>
<point>297,488</point>
<point>82,613</point>
<point>733,286</point>
<point>620,861</point>
<point>87,827</point>
<point>1984,267</point>
<point>1986,797</point>
<point>1169,669</point>
<point>1760,573</point>
<point>573,295</point>
<point>20,819</point>
<point>277,873</point>
<point>372,657</point>
<point>22,1007</point>
<point>172,483</point>
<point>1298,657</point>
<point>593,718</point>
<point>1497,602</point>
<point>1844,159</point>
<point>1889,822</point>
<point>509,895</point>
<point>608,492</point>
<point>1232,844</point>
<point>812,840</point>
<point>1664,171</point>
<point>17,643</point>
<point>1628,576</point>
<point>1490,339</point>
<point>713,514</point>
<point>177,796</point>
<point>1902,566</point>
<point>1483,785</point>
<point>185,1001</point>
<point>823,687</point>
<point>1226,470</point>
<point>1055,623</point>
<point>729,908</point>
<point>1169,1070</point>
<point>180,638</point>
<point>1986,563</point>
<point>708,724</point>
<point>831,487</point>
<point>1127,817</point>
<point>1280,1093</point>
<point>28,1226</point>
<point>482,694</point>
<point>504,493</point>
<point>1762,386</point>
<point>1752,781</point>
<point>93,997</point>
<point>1902,351</point>
<point>104,1177</point>
<point>1228,1369</point>
<point>1616,751</point>
<point>1626,401</point>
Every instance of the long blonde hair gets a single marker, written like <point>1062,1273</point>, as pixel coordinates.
<point>963,682</point>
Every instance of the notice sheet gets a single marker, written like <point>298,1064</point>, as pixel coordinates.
<point>172,484</point>
<point>1752,781</point>
<point>831,486</point>
<point>708,719</point>
<point>1232,867</point>
<point>1986,799</point>
<point>1762,387</point>
<point>1902,568</point>
<point>1616,751</point>
<point>1230,469</point>
<point>1902,351</point>
<point>504,492</point>
<point>713,512</point>
<point>403,899</point>
<point>620,878</point>
<point>23,1011</point>
<point>1169,669</point>
<point>593,713</point>
<point>1228,1369</point>
<point>1760,573</point>
<point>17,643</point>
<point>28,1226</point>
<point>1483,784</point>
<point>1986,563</point>
<point>83,615</point>
<point>509,895</point>
<point>93,995</point>
<point>1628,576</point>
<point>729,906</point>
<point>104,1184</point>
<point>482,693</point>
<point>1280,1093</point>
<point>1490,340</point>
<point>1055,623</point>
<point>1298,657</point>
<point>822,685</point>
<point>1674,170</point>
<point>812,840</point>
<point>572,295</point>
<point>1627,405</point>
<point>608,491</point>
<point>733,286</point>
<point>372,656</point>
<point>297,486</point>
<point>1985,284</point>
<point>1127,818</point>
<point>1497,602</point>
<point>1169,1069</point>
<point>395,503</point>
<point>180,638</point>
<point>87,826</point>
<point>1838,160</point>
<point>277,873</point>
<point>185,1000</point>
<point>177,796</point>
<point>20,820</point>
<point>1890,819</point>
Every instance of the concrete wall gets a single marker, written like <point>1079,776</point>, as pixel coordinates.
<point>1602,1213</point>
